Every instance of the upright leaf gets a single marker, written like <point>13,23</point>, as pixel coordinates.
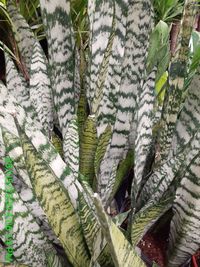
<point>184,239</point>
<point>71,147</point>
<point>144,135</point>
<point>138,26</point>
<point>177,72</point>
<point>18,88</point>
<point>23,34</point>
<point>121,250</point>
<point>60,37</point>
<point>40,88</point>
<point>189,120</point>
<point>87,149</point>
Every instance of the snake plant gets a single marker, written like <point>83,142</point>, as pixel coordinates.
<point>85,115</point>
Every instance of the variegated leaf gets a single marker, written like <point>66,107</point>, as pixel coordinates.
<point>144,135</point>
<point>118,176</point>
<point>30,246</point>
<point>60,37</point>
<point>189,120</point>
<point>23,34</point>
<point>40,88</point>
<point>71,147</point>
<point>56,203</point>
<point>14,150</point>
<point>138,27</point>
<point>103,142</point>
<point>24,188</point>
<point>184,238</point>
<point>87,149</point>
<point>177,72</point>
<point>169,174</point>
<point>101,18</point>
<point>122,252</point>
<point>18,88</point>
<point>147,216</point>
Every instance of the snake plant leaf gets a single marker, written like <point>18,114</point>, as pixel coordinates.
<point>88,220</point>
<point>14,150</point>
<point>144,135</point>
<point>71,147</point>
<point>30,246</point>
<point>23,34</point>
<point>147,216</point>
<point>92,231</point>
<point>184,240</point>
<point>133,64</point>
<point>56,203</point>
<point>122,252</point>
<point>189,119</point>
<point>24,188</point>
<point>40,90</point>
<point>103,142</point>
<point>98,96</point>
<point>115,51</point>
<point>117,178</point>
<point>61,44</point>
<point>170,173</point>
<point>178,68</point>
<point>101,19</point>
<point>18,88</point>
<point>88,149</point>
<point>50,155</point>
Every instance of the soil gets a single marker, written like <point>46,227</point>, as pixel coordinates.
<point>154,248</point>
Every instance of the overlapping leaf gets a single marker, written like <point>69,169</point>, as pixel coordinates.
<point>30,245</point>
<point>121,250</point>
<point>56,203</point>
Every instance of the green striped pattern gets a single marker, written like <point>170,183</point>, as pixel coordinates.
<point>189,120</point>
<point>101,19</point>
<point>99,93</point>
<point>60,37</point>
<point>50,156</point>
<point>146,217</point>
<point>177,72</point>
<point>138,27</point>
<point>145,122</point>
<point>71,147</point>
<point>14,150</point>
<point>184,238</point>
<point>170,172</point>
<point>87,149</point>
<point>56,203</point>
<point>103,142</point>
<point>95,240</point>
<point>116,180</point>
<point>23,35</point>
<point>89,222</point>
<point>121,250</point>
<point>29,243</point>
<point>40,91</point>
<point>18,88</point>
<point>107,108</point>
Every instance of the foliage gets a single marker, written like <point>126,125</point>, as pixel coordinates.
<point>107,105</point>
